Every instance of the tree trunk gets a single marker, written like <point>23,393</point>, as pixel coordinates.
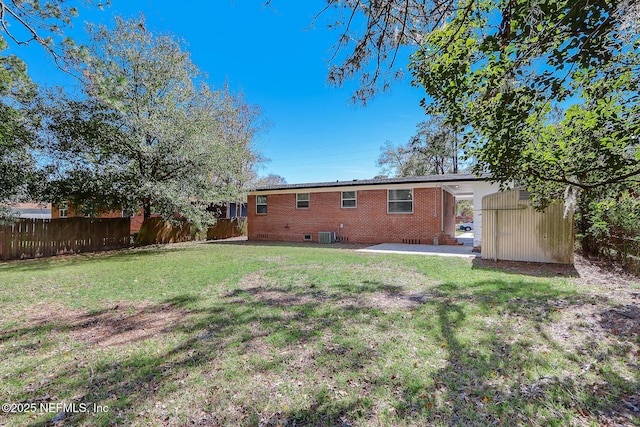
<point>587,242</point>
<point>146,207</point>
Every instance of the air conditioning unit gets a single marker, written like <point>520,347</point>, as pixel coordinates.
<point>326,237</point>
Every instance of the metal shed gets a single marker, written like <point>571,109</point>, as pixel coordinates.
<point>513,230</point>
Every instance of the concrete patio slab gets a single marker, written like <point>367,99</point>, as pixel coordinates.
<point>440,250</point>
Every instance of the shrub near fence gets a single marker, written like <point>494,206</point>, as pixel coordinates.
<point>623,249</point>
<point>33,238</point>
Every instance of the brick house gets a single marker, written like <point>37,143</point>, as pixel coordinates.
<point>395,210</point>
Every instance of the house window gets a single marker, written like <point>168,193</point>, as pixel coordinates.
<point>127,214</point>
<point>400,201</point>
<point>348,199</point>
<point>261,204</point>
<point>302,201</point>
<point>63,209</point>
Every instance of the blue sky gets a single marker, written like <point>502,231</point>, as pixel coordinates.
<point>280,63</point>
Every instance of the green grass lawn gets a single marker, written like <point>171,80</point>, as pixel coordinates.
<point>242,334</point>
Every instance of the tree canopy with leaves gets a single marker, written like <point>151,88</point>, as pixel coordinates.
<point>151,132</point>
<point>547,88</point>
<point>22,23</point>
<point>17,133</point>
<point>25,21</point>
<point>550,95</point>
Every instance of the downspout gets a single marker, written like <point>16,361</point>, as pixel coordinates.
<point>441,211</point>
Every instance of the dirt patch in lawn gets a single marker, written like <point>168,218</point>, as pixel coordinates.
<point>387,300</point>
<point>621,315</point>
<point>529,268</point>
<point>610,297</point>
<point>588,271</point>
<point>610,303</point>
<point>121,324</point>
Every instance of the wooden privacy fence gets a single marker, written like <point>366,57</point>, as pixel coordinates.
<point>156,230</point>
<point>33,238</point>
<point>225,228</point>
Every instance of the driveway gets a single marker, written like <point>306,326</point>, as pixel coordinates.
<point>465,238</point>
<point>441,250</point>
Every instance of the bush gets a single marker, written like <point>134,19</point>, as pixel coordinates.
<point>609,226</point>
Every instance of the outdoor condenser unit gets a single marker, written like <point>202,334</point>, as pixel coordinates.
<point>326,237</point>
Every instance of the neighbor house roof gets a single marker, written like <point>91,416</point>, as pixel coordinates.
<point>32,210</point>
<point>435,179</point>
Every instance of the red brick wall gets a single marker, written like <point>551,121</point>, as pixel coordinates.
<point>55,212</point>
<point>369,222</point>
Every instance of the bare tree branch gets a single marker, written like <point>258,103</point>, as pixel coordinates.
<point>373,51</point>
<point>43,22</point>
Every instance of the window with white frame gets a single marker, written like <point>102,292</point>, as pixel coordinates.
<point>302,201</point>
<point>261,204</point>
<point>127,213</point>
<point>349,199</point>
<point>63,209</point>
<point>400,201</point>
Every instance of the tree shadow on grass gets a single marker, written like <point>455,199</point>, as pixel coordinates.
<point>104,324</point>
<point>623,321</point>
<point>504,377</point>
<point>491,374</point>
<point>134,380</point>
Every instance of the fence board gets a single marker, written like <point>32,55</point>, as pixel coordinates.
<point>225,228</point>
<point>157,230</point>
<point>33,238</point>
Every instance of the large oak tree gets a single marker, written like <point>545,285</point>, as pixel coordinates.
<point>150,132</point>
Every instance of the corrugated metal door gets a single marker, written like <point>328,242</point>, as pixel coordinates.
<point>513,230</point>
